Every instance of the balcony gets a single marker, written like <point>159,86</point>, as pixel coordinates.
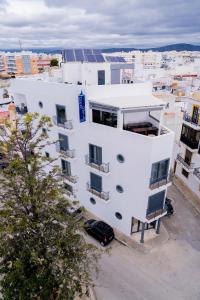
<point>185,162</point>
<point>197,172</point>
<point>144,128</point>
<point>161,182</point>
<point>155,214</point>
<point>104,167</point>
<point>188,118</point>
<point>193,144</point>
<point>68,153</point>
<point>102,195</point>
<point>70,178</point>
<point>66,125</point>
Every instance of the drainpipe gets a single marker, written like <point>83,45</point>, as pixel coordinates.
<point>142,233</point>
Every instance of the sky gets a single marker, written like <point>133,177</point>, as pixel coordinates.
<point>98,24</point>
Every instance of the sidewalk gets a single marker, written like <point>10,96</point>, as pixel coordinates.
<point>187,193</point>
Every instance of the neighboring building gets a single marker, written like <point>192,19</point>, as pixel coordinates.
<point>187,165</point>
<point>116,154</point>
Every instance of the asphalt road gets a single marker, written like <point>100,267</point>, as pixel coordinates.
<point>169,271</point>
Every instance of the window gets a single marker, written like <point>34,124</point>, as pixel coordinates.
<point>60,114</point>
<point>40,104</point>
<point>185,173</point>
<point>159,171</point>
<point>188,156</point>
<point>47,154</point>
<point>66,167</point>
<point>63,140</point>
<point>93,201</point>
<point>118,215</point>
<point>120,158</point>
<point>96,182</point>
<point>68,187</point>
<point>156,202</point>
<point>95,154</point>
<point>119,189</point>
<point>190,137</point>
<point>101,77</point>
<point>104,117</point>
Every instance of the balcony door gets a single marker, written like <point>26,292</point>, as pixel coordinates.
<point>159,171</point>
<point>61,114</point>
<point>95,154</point>
<point>66,167</point>
<point>188,156</point>
<point>63,140</point>
<point>96,182</point>
<point>156,202</point>
<point>195,114</point>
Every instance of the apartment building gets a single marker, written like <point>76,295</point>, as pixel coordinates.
<point>116,154</point>
<point>187,165</point>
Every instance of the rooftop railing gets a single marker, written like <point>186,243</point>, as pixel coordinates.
<point>103,167</point>
<point>102,195</point>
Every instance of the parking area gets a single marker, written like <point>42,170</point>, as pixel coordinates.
<point>171,270</point>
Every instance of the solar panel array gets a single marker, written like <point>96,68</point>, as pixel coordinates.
<point>80,55</point>
<point>115,59</point>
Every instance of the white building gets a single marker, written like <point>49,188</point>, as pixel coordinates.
<point>116,153</point>
<point>187,163</point>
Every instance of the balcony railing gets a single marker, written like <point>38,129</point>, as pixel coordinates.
<point>188,165</point>
<point>197,172</point>
<point>67,124</point>
<point>192,144</point>
<point>70,178</point>
<point>102,195</point>
<point>188,118</point>
<point>104,167</point>
<point>161,182</point>
<point>155,214</point>
<point>69,153</point>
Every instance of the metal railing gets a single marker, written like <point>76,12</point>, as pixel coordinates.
<point>161,181</point>
<point>188,118</point>
<point>102,195</point>
<point>69,153</point>
<point>68,124</point>
<point>103,167</point>
<point>197,172</point>
<point>70,178</point>
<point>188,165</point>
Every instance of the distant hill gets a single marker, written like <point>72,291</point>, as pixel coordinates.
<point>173,47</point>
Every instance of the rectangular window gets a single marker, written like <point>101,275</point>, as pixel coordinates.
<point>156,202</point>
<point>96,182</point>
<point>63,140</point>
<point>101,77</point>
<point>104,118</point>
<point>188,156</point>
<point>185,173</point>
<point>190,137</point>
<point>60,114</point>
<point>68,187</point>
<point>95,154</point>
<point>66,167</point>
<point>159,171</point>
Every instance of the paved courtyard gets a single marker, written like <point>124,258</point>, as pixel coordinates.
<point>168,271</point>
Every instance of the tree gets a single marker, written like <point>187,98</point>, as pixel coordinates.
<point>43,251</point>
<point>54,62</point>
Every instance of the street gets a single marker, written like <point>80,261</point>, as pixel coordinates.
<point>169,271</point>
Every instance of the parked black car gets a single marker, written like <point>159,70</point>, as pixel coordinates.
<point>168,206</point>
<point>100,231</point>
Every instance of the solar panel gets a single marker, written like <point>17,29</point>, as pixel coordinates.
<point>99,58</point>
<point>79,55</point>
<point>96,51</point>
<point>87,51</point>
<point>115,59</point>
<point>90,58</point>
<point>69,55</point>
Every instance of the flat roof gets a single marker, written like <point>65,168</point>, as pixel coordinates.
<point>130,101</point>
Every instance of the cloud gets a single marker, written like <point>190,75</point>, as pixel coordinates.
<point>105,23</point>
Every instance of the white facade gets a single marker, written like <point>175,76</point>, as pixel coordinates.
<point>129,104</point>
<point>188,158</point>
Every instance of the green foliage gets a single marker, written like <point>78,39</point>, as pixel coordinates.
<point>54,62</point>
<point>43,252</point>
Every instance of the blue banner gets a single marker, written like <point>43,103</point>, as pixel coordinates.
<point>81,101</point>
